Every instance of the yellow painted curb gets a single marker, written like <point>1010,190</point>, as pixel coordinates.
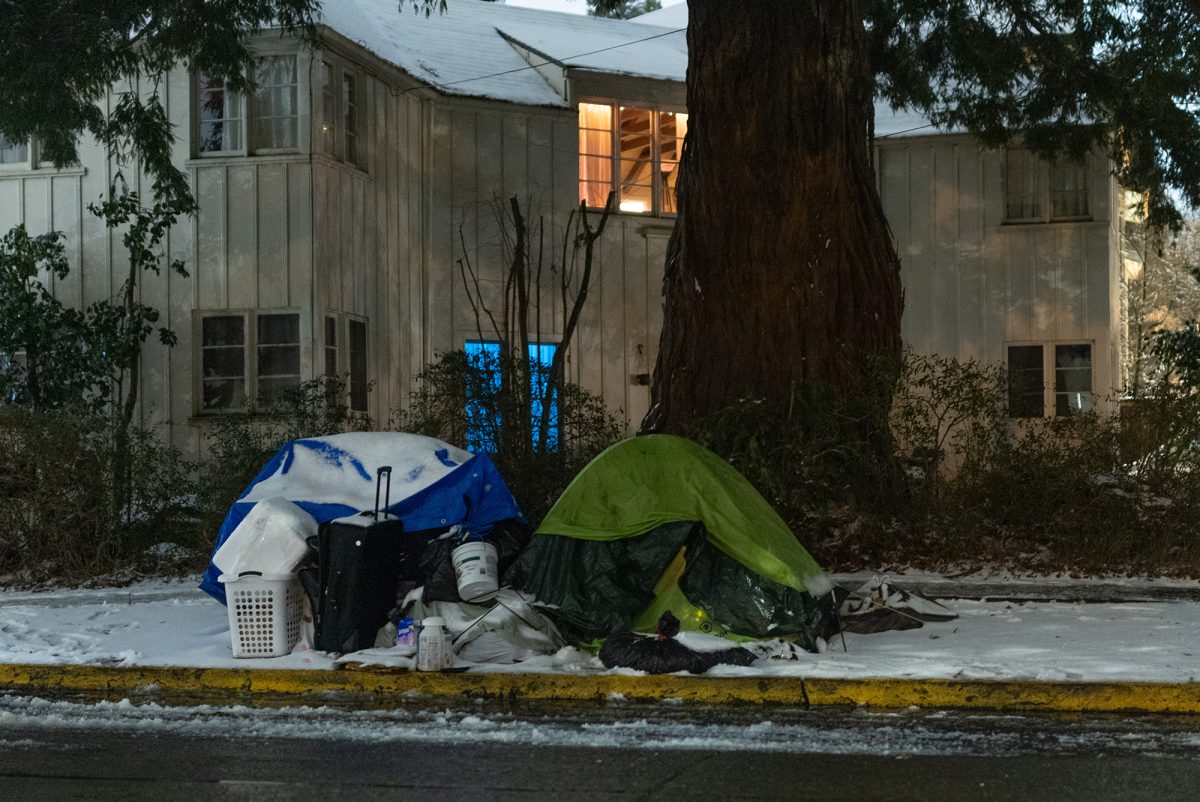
<point>168,682</point>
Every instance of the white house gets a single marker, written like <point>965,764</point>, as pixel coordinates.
<point>336,202</point>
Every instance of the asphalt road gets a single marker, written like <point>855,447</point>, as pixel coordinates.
<point>65,750</point>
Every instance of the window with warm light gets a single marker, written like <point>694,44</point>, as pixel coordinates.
<point>633,151</point>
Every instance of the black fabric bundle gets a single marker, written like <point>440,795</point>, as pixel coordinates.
<point>663,654</point>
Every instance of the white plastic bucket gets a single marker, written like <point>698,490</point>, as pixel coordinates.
<point>475,569</point>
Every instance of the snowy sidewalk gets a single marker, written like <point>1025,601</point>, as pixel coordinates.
<point>173,624</point>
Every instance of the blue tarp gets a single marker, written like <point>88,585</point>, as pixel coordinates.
<point>434,485</point>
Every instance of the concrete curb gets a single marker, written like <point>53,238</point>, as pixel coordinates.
<point>181,685</point>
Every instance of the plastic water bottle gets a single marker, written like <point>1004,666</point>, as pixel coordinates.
<point>433,652</point>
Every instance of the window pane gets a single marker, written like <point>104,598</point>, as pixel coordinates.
<point>219,116</point>
<point>541,356</point>
<point>275,106</point>
<point>331,332</point>
<point>636,197</point>
<point>1072,379</point>
<point>1026,382</point>
<point>278,360</point>
<point>482,408</point>
<point>223,330</point>
<point>358,366</point>
<point>672,126</point>
<point>637,159</point>
<point>350,109</point>
<point>223,393</point>
<point>276,329</point>
<point>669,173</point>
<point>1068,190</point>
<point>13,152</point>
<point>1022,188</point>
<point>274,389</point>
<point>223,363</point>
<point>595,152</point>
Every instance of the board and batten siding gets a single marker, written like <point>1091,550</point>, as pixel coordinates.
<point>51,199</point>
<point>974,284</point>
<point>480,155</point>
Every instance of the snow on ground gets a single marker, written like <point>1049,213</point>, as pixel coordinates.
<point>172,624</point>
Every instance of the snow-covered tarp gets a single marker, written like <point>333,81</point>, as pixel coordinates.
<point>434,485</point>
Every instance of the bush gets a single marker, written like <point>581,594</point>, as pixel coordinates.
<point>56,498</point>
<point>977,488</point>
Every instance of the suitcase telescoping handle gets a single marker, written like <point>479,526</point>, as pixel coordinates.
<point>387,498</point>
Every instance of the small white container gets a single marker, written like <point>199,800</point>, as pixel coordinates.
<point>264,613</point>
<point>433,650</point>
<point>475,569</point>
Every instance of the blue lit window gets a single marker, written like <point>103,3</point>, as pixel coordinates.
<point>483,409</point>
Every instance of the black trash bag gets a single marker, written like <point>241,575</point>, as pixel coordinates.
<point>436,568</point>
<point>663,654</point>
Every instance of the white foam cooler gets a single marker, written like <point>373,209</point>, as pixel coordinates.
<point>264,613</point>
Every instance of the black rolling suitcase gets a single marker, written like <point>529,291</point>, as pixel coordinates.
<point>359,562</point>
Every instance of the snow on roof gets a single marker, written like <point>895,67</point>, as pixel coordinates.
<point>462,51</point>
<point>673,16</point>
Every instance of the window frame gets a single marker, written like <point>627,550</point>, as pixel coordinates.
<point>658,185</point>
<point>342,359</point>
<point>477,441</point>
<point>336,94</point>
<point>1050,369</point>
<point>27,164</point>
<point>1043,170</point>
<point>249,353</point>
<point>304,109</point>
<point>249,107</point>
<point>242,123</point>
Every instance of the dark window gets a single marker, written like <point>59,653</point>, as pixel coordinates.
<point>1026,382</point>
<point>358,366</point>
<point>223,362</point>
<point>328,108</point>
<point>1072,379</point>
<point>278,355</point>
<point>350,110</point>
<point>331,361</point>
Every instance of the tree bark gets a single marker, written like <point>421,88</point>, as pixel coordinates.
<point>781,271</point>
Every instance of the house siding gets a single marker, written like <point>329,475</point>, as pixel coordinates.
<point>974,283</point>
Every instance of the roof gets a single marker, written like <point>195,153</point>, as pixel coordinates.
<point>464,51</point>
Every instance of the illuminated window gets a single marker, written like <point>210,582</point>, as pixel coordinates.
<point>633,151</point>
<point>484,418</point>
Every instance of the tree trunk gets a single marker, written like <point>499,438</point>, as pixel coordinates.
<point>781,272</point>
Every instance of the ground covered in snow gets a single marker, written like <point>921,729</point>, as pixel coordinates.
<point>173,624</point>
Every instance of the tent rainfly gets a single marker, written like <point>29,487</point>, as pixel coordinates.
<point>660,523</point>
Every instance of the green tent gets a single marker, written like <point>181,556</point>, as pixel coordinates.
<point>659,523</point>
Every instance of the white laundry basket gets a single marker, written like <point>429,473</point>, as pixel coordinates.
<point>264,613</point>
